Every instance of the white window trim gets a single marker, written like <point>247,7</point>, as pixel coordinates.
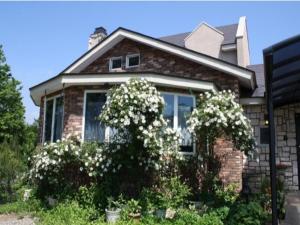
<point>53,115</point>
<point>107,129</point>
<point>111,63</point>
<point>131,56</point>
<point>175,119</point>
<point>108,78</point>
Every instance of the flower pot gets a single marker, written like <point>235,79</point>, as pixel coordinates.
<point>112,216</point>
<point>160,213</point>
<point>170,213</point>
<point>196,204</point>
<point>135,216</point>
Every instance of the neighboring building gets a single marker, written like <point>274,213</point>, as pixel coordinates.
<point>181,66</point>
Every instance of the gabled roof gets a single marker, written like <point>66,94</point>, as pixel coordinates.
<point>245,76</point>
<point>229,32</point>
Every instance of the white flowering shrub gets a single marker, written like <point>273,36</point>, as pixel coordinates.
<point>142,144</point>
<point>217,114</point>
<point>51,159</point>
<point>135,110</point>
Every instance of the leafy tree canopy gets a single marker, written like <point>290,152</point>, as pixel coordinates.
<point>11,106</point>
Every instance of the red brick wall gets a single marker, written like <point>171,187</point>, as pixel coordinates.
<point>231,162</point>
<point>73,111</point>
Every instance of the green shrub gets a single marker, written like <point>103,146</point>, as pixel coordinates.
<point>11,168</point>
<point>86,196</point>
<point>69,213</point>
<point>247,214</point>
<point>265,196</point>
<point>172,193</point>
<point>192,218</point>
<point>148,200</point>
<point>222,212</point>
<point>226,195</point>
<point>30,206</point>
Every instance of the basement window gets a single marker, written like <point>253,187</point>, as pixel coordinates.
<point>53,119</point>
<point>115,63</point>
<point>132,60</point>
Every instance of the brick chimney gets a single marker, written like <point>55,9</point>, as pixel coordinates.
<point>96,37</point>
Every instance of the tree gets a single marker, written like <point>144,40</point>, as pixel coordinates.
<point>11,106</point>
<point>10,167</point>
<point>30,139</point>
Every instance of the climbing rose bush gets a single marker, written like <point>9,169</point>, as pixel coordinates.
<point>135,111</point>
<point>217,114</point>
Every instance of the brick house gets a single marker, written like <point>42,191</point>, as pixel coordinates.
<point>181,66</point>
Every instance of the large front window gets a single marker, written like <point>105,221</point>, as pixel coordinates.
<point>177,110</point>
<point>53,119</point>
<point>93,129</point>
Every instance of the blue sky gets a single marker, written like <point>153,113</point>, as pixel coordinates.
<point>41,38</point>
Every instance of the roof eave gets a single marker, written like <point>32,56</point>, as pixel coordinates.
<point>122,33</point>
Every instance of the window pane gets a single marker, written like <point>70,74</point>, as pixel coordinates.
<point>48,120</point>
<point>133,60</point>
<point>169,109</point>
<point>58,119</point>
<point>264,135</point>
<point>94,131</point>
<point>185,107</point>
<point>116,63</point>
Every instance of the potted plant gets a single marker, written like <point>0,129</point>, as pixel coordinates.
<point>165,209</point>
<point>172,194</point>
<point>133,209</point>
<point>113,210</point>
<point>161,210</point>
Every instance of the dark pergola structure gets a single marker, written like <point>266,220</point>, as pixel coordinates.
<point>282,76</point>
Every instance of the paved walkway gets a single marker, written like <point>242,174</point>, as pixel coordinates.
<point>292,209</point>
<point>12,219</point>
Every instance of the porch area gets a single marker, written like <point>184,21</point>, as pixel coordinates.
<point>292,209</point>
